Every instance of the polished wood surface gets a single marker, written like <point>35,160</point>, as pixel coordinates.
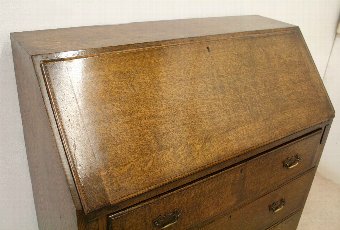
<point>258,216</point>
<point>224,191</point>
<point>290,223</point>
<point>134,120</point>
<point>54,205</point>
<point>90,37</point>
<point>176,121</point>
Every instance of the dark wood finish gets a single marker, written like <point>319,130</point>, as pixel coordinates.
<point>197,122</point>
<point>258,216</point>
<point>224,191</point>
<point>288,224</point>
<point>217,168</point>
<point>53,202</point>
<point>139,113</point>
<point>81,220</point>
<point>90,37</point>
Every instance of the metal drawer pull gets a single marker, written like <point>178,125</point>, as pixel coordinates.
<point>291,162</point>
<point>277,206</point>
<point>167,220</point>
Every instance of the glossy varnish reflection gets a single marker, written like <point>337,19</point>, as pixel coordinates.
<point>144,112</point>
<point>148,116</point>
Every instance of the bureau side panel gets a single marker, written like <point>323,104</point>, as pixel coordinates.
<point>323,140</point>
<point>53,201</point>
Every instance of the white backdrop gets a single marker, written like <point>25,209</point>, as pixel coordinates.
<point>329,165</point>
<point>316,18</point>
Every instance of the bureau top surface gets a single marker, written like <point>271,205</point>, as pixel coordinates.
<point>81,38</point>
<point>133,119</point>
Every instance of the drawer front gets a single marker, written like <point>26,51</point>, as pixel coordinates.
<point>221,192</point>
<point>269,209</point>
<point>290,223</point>
<point>280,164</point>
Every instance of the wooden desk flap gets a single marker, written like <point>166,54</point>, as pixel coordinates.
<point>137,117</point>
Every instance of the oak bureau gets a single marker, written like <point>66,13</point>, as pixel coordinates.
<point>215,123</point>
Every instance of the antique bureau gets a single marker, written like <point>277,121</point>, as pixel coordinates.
<point>214,123</point>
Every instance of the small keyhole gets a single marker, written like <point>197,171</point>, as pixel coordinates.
<point>208,48</point>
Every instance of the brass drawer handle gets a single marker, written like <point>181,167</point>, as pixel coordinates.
<point>291,162</point>
<point>277,206</point>
<point>167,220</point>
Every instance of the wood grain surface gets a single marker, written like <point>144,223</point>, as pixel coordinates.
<point>117,117</point>
<point>257,216</point>
<point>289,223</point>
<point>54,206</point>
<point>90,37</point>
<point>136,119</point>
<point>223,192</point>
